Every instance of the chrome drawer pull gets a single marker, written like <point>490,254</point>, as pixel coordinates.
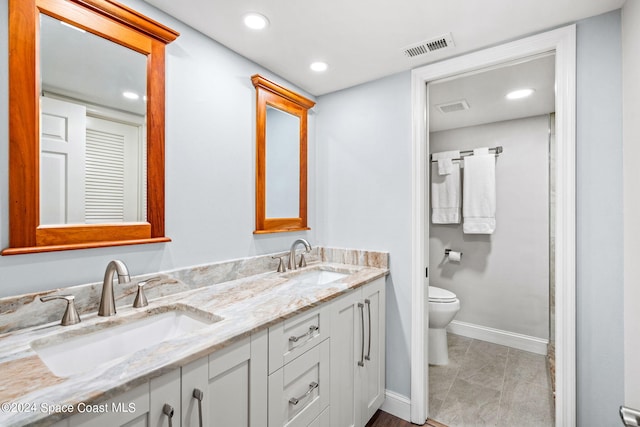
<point>311,330</point>
<point>295,400</point>
<point>198,395</point>
<point>368,356</point>
<point>168,411</point>
<point>361,361</point>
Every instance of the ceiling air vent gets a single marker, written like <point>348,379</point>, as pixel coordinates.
<point>451,107</point>
<point>439,43</point>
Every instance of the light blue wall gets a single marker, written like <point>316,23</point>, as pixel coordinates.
<point>364,193</point>
<point>600,340</point>
<point>210,164</point>
<point>364,166</point>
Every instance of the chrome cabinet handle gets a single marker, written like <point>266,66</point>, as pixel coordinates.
<point>368,356</point>
<point>361,306</point>
<point>168,411</point>
<point>311,330</point>
<point>295,400</point>
<point>198,395</point>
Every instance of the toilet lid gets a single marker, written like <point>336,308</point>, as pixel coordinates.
<point>441,295</point>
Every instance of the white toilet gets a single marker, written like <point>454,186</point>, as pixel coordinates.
<point>443,307</point>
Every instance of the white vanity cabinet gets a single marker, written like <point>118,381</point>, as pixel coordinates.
<point>358,355</point>
<point>324,367</point>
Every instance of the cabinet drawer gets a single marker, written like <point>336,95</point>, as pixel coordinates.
<point>292,337</point>
<point>299,391</point>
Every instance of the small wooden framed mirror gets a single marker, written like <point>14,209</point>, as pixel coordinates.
<point>281,158</point>
<point>70,63</point>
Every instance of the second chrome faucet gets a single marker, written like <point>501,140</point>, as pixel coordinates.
<point>292,254</point>
<point>107,301</point>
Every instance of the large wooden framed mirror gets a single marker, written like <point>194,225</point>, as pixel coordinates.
<point>281,158</point>
<point>86,166</point>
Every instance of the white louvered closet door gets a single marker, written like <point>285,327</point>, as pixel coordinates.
<point>115,181</point>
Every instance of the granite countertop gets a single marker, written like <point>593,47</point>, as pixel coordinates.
<point>29,390</point>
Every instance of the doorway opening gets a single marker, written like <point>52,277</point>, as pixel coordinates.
<point>490,364</point>
<point>561,42</point>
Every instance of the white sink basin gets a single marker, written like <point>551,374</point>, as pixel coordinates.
<point>320,277</point>
<point>81,353</point>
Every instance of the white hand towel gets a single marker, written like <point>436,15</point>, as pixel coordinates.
<point>445,164</point>
<point>445,196</point>
<point>479,209</point>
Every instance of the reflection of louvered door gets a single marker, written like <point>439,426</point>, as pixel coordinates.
<point>62,147</point>
<point>113,179</point>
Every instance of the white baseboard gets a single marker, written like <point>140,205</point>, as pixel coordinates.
<point>397,405</point>
<point>497,336</point>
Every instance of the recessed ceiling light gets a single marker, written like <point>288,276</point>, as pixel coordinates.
<point>319,66</point>
<point>520,93</point>
<point>130,95</point>
<point>255,21</point>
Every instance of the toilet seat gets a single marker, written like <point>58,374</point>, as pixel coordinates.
<point>440,295</point>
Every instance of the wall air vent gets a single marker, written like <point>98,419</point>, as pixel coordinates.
<point>454,106</point>
<point>445,41</point>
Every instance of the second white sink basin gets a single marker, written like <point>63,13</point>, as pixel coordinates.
<point>81,353</point>
<point>320,277</point>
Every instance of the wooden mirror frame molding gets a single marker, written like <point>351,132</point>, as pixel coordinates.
<point>269,93</point>
<point>118,24</point>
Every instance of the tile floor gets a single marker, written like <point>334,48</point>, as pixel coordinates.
<point>487,384</point>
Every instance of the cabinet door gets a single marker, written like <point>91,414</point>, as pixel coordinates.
<point>346,348</point>
<point>236,393</point>
<point>195,382</point>
<point>164,390</point>
<point>373,380</point>
<point>130,409</point>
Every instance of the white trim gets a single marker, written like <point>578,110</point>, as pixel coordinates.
<point>397,405</point>
<point>563,42</point>
<point>498,336</point>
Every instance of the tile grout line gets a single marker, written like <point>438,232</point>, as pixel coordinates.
<point>504,378</point>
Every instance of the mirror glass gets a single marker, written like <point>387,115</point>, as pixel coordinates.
<point>93,128</point>
<point>282,164</point>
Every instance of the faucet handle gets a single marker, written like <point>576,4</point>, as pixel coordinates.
<point>281,267</point>
<point>141,298</point>
<point>70,316</point>
<point>303,261</point>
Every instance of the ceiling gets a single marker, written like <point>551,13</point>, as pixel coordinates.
<point>87,68</point>
<point>485,94</point>
<point>362,40</point>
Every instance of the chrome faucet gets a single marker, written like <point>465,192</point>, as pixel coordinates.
<point>292,254</point>
<point>108,301</point>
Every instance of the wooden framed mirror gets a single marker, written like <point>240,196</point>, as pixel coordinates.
<point>38,85</point>
<point>281,158</point>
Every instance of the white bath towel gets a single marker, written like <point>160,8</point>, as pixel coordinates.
<point>445,196</point>
<point>445,163</point>
<point>479,209</point>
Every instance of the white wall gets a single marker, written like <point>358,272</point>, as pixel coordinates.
<point>210,164</point>
<point>364,193</point>
<point>631,149</point>
<point>503,279</point>
<point>599,286</point>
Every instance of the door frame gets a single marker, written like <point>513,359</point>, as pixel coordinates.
<point>562,41</point>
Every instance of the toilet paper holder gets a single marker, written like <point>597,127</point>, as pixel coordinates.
<point>446,252</point>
